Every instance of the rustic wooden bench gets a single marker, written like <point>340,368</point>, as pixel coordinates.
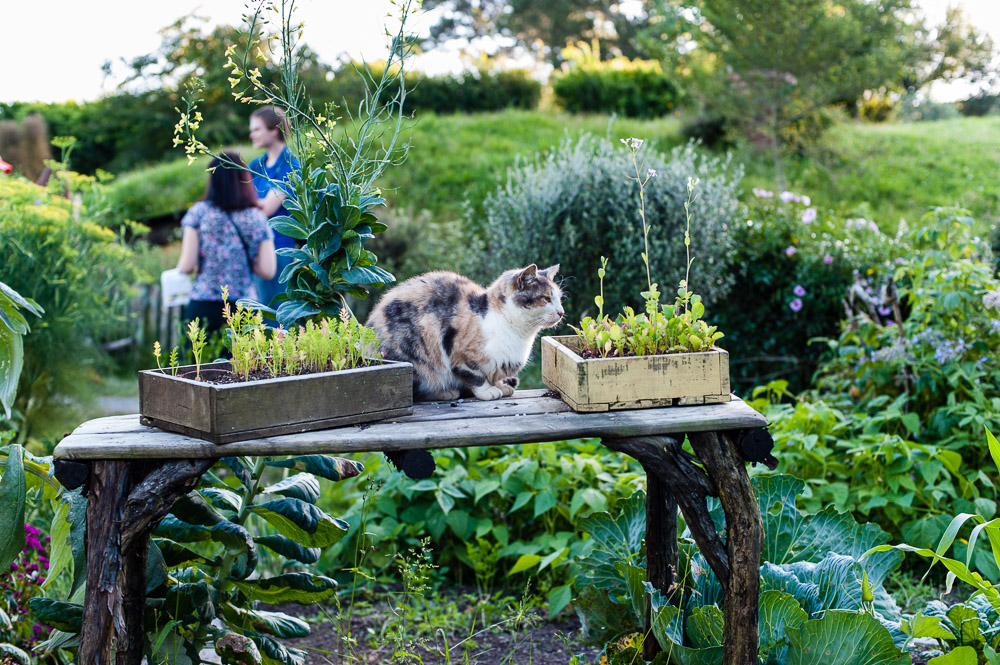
<point>134,474</point>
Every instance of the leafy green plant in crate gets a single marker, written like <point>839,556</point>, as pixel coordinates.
<point>333,193</point>
<point>819,597</point>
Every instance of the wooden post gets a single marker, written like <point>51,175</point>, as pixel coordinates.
<point>102,613</point>
<point>744,541</point>
<point>661,552</point>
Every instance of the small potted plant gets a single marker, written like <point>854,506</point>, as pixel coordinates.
<point>278,381</point>
<point>663,356</point>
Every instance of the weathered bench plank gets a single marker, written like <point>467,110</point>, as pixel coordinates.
<point>526,418</point>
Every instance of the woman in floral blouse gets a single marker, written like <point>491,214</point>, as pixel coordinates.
<point>226,241</point>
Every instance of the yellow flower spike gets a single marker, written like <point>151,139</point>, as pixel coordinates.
<point>233,82</point>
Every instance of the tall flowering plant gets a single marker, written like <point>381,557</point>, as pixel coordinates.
<point>660,329</point>
<point>333,194</point>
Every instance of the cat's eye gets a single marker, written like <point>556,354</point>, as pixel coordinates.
<point>546,299</point>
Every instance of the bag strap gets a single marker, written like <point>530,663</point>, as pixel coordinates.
<point>246,248</point>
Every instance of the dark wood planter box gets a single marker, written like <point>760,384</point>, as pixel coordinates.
<point>223,413</point>
<point>640,382</point>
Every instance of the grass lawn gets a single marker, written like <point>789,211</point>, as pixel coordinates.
<point>882,172</point>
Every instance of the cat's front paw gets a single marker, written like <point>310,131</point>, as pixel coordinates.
<point>487,392</point>
<point>506,389</point>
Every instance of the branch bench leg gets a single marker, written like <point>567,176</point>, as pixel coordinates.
<point>736,563</point>
<point>744,541</point>
<point>661,552</point>
<point>126,500</point>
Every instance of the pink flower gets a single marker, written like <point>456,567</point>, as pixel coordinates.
<point>795,305</point>
<point>809,216</point>
<point>799,290</point>
<point>789,197</point>
<point>790,250</point>
<point>762,193</point>
<point>828,259</point>
<point>806,201</point>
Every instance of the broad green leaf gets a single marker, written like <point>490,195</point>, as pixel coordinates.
<point>525,562</point>
<point>324,466</point>
<point>460,523</point>
<point>222,497</point>
<point>958,656</point>
<point>302,588</point>
<point>180,531</point>
<point>78,536</point>
<point>845,638</point>
<point>554,558</point>
<point>778,611</point>
<point>58,614</point>
<point>589,496</point>
<point>302,522</point>
<point>921,625</point>
<point>290,549</point>
<point>445,500</point>
<point>302,486</point>
<point>193,509</point>
<point>12,498</point>
<point>235,649</point>
<point>704,627</point>
<point>522,500</point>
<point>634,578</point>
<point>274,652</point>
<point>156,568</point>
<point>559,598</point>
<point>291,311</point>
<point>545,501</point>
<point>485,487</point>
<point>175,554</point>
<point>966,620</point>
<point>369,275</point>
<point>288,226</point>
<point>912,422</point>
<point>11,364</point>
<point>239,470</point>
<point>617,538</point>
<point>994,447</point>
<point>61,555</point>
<point>668,632</point>
<point>189,601</point>
<point>11,654</point>
<point>263,621</point>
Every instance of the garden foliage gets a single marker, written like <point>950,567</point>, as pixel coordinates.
<point>574,205</point>
<point>819,595</point>
<point>794,264</point>
<point>74,268</point>
<point>893,430</point>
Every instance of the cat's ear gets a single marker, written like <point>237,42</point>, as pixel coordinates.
<point>525,277</point>
<point>550,272</point>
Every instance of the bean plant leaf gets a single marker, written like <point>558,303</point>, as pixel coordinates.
<point>302,486</point>
<point>12,498</point>
<point>324,466</point>
<point>290,549</point>
<point>302,522</point>
<point>58,614</point>
<point>963,655</point>
<point>845,638</point>
<point>558,598</point>
<point>302,588</point>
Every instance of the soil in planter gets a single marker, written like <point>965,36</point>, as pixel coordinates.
<point>225,376</point>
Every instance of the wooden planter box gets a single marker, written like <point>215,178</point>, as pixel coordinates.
<point>223,413</point>
<point>607,384</point>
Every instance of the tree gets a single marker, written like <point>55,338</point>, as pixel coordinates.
<point>543,27</point>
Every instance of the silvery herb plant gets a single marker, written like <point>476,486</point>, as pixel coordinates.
<point>333,194</point>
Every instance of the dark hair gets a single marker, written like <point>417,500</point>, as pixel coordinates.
<point>230,187</point>
<point>273,118</point>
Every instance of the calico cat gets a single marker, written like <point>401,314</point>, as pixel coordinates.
<point>462,339</point>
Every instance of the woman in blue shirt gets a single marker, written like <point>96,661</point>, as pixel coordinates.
<point>267,131</point>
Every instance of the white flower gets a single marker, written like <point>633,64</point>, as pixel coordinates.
<point>651,173</point>
<point>788,197</point>
<point>762,193</point>
<point>632,143</point>
<point>992,298</point>
<point>806,201</point>
<point>809,216</point>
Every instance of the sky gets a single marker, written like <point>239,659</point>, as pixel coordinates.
<point>56,47</point>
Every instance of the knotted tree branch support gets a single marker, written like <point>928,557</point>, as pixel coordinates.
<point>126,501</point>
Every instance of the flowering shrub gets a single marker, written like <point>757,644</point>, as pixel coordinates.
<point>793,264</point>
<point>27,574</point>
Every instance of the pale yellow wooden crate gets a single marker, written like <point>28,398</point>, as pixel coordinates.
<point>604,384</point>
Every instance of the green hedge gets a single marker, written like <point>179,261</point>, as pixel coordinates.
<point>633,88</point>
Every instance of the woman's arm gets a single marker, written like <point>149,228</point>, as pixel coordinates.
<point>188,261</point>
<point>266,263</point>
<point>270,203</point>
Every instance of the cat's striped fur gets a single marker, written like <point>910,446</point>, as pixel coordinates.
<point>462,339</point>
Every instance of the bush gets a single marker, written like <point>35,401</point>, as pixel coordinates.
<point>795,266</point>
<point>469,92</point>
<point>912,109</point>
<point>633,88</point>
<point>980,105</point>
<point>77,270</point>
<point>576,204</point>
<point>894,429</point>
